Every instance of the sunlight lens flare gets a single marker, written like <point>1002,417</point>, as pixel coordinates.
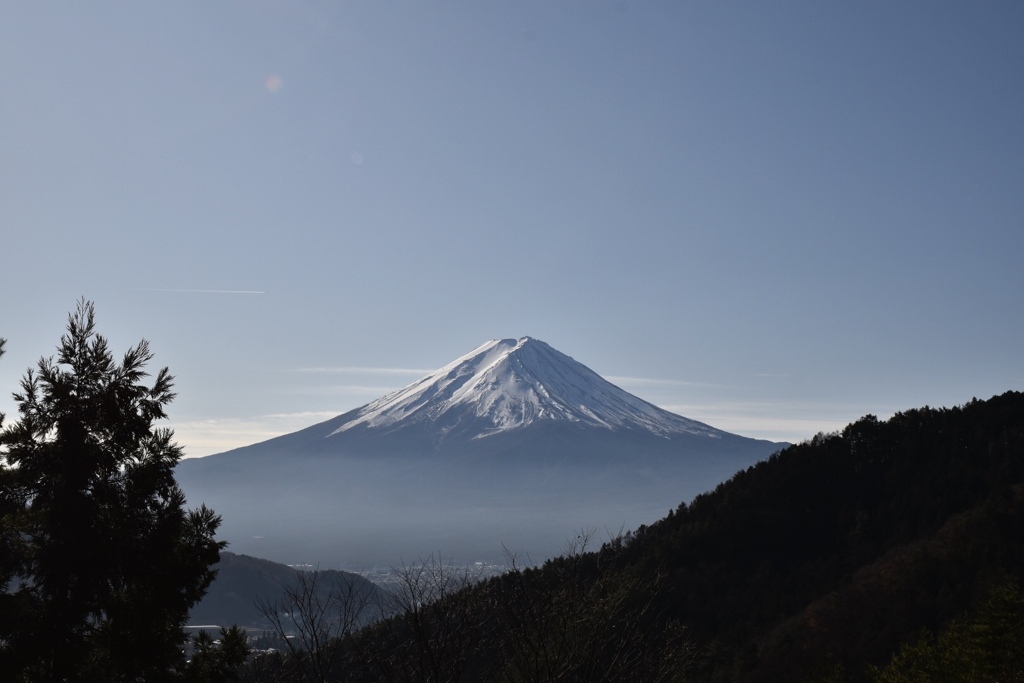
<point>274,83</point>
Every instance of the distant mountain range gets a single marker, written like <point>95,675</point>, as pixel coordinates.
<point>243,581</point>
<point>513,445</point>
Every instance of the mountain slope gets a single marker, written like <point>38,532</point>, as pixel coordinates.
<point>514,443</point>
<point>242,581</point>
<point>508,384</point>
<point>816,564</point>
<point>503,396</point>
<point>835,551</point>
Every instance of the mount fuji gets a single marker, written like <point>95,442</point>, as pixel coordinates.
<point>514,445</point>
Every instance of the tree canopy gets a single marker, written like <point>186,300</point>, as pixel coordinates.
<point>833,560</point>
<point>100,555</point>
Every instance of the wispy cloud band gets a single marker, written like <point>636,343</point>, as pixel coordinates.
<point>203,291</point>
<point>353,370</point>
<point>650,381</point>
<point>206,437</point>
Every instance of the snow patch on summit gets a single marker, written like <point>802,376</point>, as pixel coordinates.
<point>508,384</point>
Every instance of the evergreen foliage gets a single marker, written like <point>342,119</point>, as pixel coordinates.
<point>217,661</point>
<point>100,555</point>
<point>987,646</point>
<point>830,561</point>
<point>839,549</point>
<point>834,560</point>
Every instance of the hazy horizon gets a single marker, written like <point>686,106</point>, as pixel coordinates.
<point>774,219</point>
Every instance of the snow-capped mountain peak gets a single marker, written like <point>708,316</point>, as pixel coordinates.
<point>508,446</point>
<point>509,384</point>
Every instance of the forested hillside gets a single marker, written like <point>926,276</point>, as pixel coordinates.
<point>836,559</point>
<point>833,552</point>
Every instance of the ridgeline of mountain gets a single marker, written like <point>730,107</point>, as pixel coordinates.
<point>514,444</point>
<point>507,387</point>
<point>834,552</point>
<point>242,581</point>
<point>890,551</point>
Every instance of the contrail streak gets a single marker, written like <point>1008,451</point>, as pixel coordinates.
<point>206,291</point>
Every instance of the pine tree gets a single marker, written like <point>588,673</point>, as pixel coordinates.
<point>103,559</point>
<point>217,661</point>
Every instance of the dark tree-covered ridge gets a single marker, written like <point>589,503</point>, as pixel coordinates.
<point>102,558</point>
<point>841,548</point>
<point>823,563</point>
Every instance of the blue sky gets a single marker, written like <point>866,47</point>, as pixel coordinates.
<point>773,217</point>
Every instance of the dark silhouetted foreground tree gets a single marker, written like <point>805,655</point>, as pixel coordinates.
<point>101,557</point>
<point>218,661</point>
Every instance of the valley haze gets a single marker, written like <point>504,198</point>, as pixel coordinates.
<point>514,446</point>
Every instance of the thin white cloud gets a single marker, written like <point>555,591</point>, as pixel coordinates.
<point>204,291</point>
<point>776,421</point>
<point>792,422</point>
<point>345,390</point>
<point>206,437</point>
<point>623,380</point>
<point>353,370</point>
